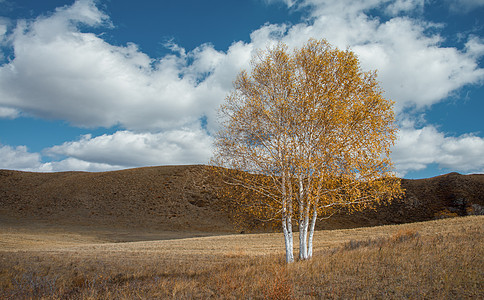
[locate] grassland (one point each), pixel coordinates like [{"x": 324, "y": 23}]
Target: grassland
[
  {"x": 441, "y": 259},
  {"x": 162, "y": 232}
]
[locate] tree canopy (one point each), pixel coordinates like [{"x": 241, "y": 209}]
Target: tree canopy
[{"x": 306, "y": 132}]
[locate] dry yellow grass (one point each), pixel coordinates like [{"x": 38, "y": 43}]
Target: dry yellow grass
[
  {"x": 439, "y": 259},
  {"x": 161, "y": 232}
]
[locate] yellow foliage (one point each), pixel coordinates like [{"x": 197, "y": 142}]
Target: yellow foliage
[{"x": 306, "y": 129}]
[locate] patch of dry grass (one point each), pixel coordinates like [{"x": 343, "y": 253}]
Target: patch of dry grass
[{"x": 440, "y": 259}]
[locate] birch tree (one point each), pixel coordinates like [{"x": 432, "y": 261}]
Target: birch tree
[{"x": 305, "y": 134}]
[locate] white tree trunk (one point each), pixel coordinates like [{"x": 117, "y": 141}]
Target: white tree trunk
[
  {"x": 311, "y": 233},
  {"x": 287, "y": 222},
  {"x": 303, "y": 238},
  {"x": 303, "y": 223},
  {"x": 303, "y": 249},
  {"x": 288, "y": 239}
]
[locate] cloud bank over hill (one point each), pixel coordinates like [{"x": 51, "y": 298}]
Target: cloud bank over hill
[{"x": 166, "y": 106}]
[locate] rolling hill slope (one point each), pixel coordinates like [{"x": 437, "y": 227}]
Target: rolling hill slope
[{"x": 183, "y": 198}]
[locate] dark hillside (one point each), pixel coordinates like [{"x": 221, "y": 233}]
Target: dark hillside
[
  {"x": 443, "y": 196},
  {"x": 181, "y": 198},
  {"x": 164, "y": 198}
]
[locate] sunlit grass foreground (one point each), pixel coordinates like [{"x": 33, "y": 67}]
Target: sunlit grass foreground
[{"x": 439, "y": 259}]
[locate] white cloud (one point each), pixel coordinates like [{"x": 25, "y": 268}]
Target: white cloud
[
  {"x": 123, "y": 149},
  {"x": 61, "y": 73},
  {"x": 73, "y": 164},
  {"x": 417, "y": 148},
  {"x": 475, "y": 47},
  {"x": 402, "y": 6},
  {"x": 463, "y": 153},
  {"x": 18, "y": 158},
  {"x": 8, "y": 113},
  {"x": 130, "y": 149},
  {"x": 413, "y": 67}
]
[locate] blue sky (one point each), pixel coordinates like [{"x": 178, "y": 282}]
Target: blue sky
[{"x": 105, "y": 85}]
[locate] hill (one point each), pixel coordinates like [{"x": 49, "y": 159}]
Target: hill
[{"x": 183, "y": 198}]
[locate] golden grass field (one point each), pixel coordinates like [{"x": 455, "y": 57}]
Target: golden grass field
[
  {"x": 164, "y": 233},
  {"x": 441, "y": 259}
]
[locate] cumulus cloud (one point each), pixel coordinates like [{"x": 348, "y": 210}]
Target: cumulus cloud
[
  {"x": 130, "y": 149},
  {"x": 19, "y": 158},
  {"x": 59, "y": 72},
  {"x": 417, "y": 148},
  {"x": 8, "y": 113},
  {"x": 413, "y": 67},
  {"x": 73, "y": 164},
  {"x": 123, "y": 149}
]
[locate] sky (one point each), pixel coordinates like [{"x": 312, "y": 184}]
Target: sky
[{"x": 92, "y": 85}]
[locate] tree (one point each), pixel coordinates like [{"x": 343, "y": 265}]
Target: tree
[{"x": 305, "y": 134}]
